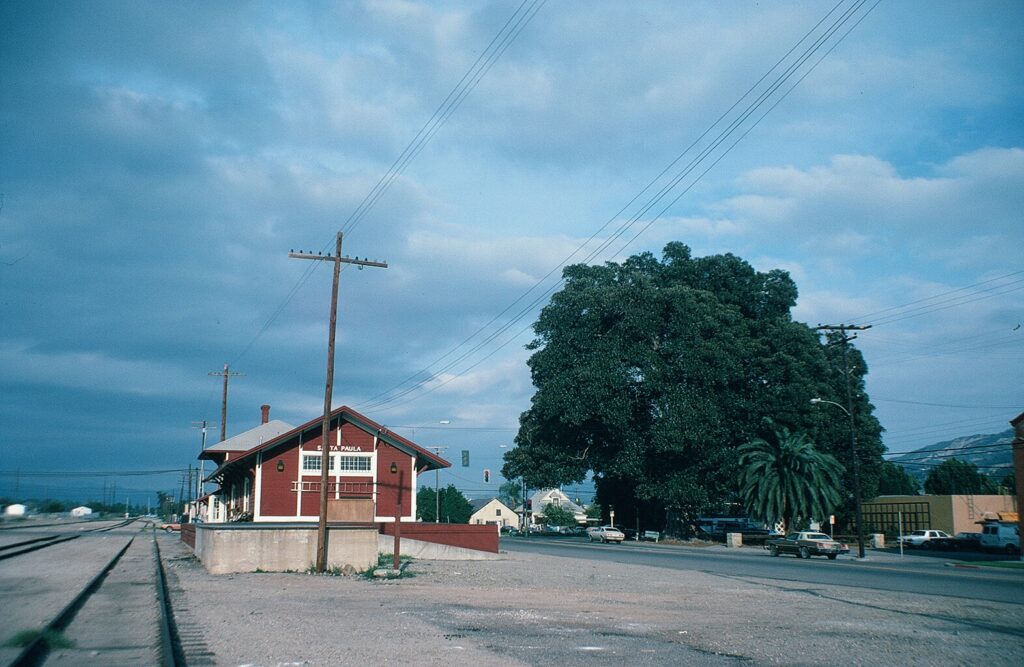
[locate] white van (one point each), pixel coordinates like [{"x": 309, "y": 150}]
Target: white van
[{"x": 1000, "y": 537}]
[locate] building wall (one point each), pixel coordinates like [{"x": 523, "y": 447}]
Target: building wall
[
  {"x": 495, "y": 513},
  {"x": 482, "y": 538},
  {"x": 395, "y": 489},
  {"x": 276, "y": 496},
  {"x": 282, "y": 496},
  {"x": 952, "y": 514}
]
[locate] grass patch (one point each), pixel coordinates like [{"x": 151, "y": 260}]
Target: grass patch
[
  {"x": 51, "y": 639},
  {"x": 388, "y": 561}
]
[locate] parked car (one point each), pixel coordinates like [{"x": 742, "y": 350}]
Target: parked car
[
  {"x": 806, "y": 544},
  {"x": 1000, "y": 537},
  {"x": 960, "y": 542},
  {"x": 509, "y": 530},
  {"x": 605, "y": 534},
  {"x": 919, "y": 537},
  {"x": 170, "y": 527}
]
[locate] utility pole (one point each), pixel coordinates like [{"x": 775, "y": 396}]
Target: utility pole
[
  {"x": 437, "y": 486},
  {"x": 224, "y": 401},
  {"x": 325, "y": 429},
  {"x": 845, "y": 340},
  {"x": 199, "y": 482}
]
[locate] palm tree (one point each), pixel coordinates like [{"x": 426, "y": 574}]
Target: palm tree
[{"x": 787, "y": 478}]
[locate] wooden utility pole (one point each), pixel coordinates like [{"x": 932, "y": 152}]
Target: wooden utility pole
[
  {"x": 224, "y": 401},
  {"x": 845, "y": 340},
  {"x": 199, "y": 483},
  {"x": 1018, "y": 473},
  {"x": 325, "y": 429}
]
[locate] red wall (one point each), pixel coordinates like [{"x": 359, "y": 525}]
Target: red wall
[
  {"x": 278, "y": 498},
  {"x": 481, "y": 538}
]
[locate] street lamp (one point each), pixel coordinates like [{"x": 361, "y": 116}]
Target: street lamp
[{"x": 856, "y": 471}]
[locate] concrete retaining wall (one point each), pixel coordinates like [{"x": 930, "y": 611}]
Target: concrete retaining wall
[{"x": 247, "y": 547}]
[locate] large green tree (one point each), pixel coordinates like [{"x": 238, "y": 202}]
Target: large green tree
[
  {"x": 454, "y": 506},
  {"x": 651, "y": 373},
  {"x": 893, "y": 480},
  {"x": 785, "y": 477},
  {"x": 956, "y": 477},
  {"x": 556, "y": 515}
]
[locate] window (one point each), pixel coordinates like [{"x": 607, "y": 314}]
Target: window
[
  {"x": 310, "y": 463},
  {"x": 497, "y": 512},
  {"x": 350, "y": 463}
]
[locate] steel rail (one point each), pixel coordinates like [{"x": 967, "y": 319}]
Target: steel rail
[
  {"x": 35, "y": 652},
  {"x": 44, "y": 542},
  {"x": 170, "y": 648}
]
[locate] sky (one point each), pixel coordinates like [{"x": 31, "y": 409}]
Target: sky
[{"x": 158, "y": 161}]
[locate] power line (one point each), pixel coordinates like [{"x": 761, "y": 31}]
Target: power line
[
  {"x": 947, "y": 405},
  {"x": 508, "y": 33},
  {"x": 416, "y": 380},
  {"x": 937, "y": 296}
]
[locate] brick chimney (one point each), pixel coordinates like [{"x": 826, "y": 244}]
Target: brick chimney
[{"x": 266, "y": 413}]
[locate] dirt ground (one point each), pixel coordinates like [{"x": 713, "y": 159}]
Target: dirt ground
[{"x": 529, "y": 609}]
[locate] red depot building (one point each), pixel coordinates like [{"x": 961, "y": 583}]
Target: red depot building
[
  {"x": 272, "y": 473},
  {"x": 265, "y": 511}
]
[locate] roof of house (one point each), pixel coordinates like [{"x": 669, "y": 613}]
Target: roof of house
[
  {"x": 428, "y": 459},
  {"x": 243, "y": 442},
  {"x": 481, "y": 503},
  {"x": 543, "y": 496}
]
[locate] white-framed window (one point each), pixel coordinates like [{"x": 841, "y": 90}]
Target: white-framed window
[
  {"x": 340, "y": 464},
  {"x": 497, "y": 512},
  {"x": 349, "y": 463},
  {"x": 310, "y": 463}
]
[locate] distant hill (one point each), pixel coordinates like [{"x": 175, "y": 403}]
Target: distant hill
[{"x": 981, "y": 450}]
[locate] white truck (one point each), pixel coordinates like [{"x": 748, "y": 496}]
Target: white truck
[{"x": 1000, "y": 536}]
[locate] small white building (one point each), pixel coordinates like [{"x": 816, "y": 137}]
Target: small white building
[
  {"x": 491, "y": 511},
  {"x": 14, "y": 510},
  {"x": 81, "y": 511}
]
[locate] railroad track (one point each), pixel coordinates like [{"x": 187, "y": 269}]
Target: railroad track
[
  {"x": 121, "y": 616},
  {"x": 37, "y": 543}
]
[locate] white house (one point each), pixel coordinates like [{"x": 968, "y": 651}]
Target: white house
[
  {"x": 540, "y": 500},
  {"x": 491, "y": 511}
]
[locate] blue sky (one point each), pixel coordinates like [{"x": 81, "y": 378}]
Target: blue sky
[{"x": 159, "y": 160}]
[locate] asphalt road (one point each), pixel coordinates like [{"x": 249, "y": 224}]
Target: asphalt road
[{"x": 884, "y": 570}]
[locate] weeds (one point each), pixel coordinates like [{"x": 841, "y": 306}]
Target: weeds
[{"x": 50, "y": 638}]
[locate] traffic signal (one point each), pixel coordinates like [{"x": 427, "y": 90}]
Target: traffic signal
[
  {"x": 487, "y": 475},
  {"x": 465, "y": 458}
]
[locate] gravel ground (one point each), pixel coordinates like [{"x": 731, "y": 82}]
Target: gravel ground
[{"x": 529, "y": 609}]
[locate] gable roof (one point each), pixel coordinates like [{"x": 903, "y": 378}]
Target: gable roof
[
  {"x": 252, "y": 438},
  {"x": 481, "y": 503},
  {"x": 544, "y": 496},
  {"x": 425, "y": 460}
]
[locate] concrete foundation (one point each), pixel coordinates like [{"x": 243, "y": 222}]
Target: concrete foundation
[{"x": 247, "y": 547}]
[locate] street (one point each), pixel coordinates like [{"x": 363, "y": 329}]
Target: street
[{"x": 883, "y": 570}]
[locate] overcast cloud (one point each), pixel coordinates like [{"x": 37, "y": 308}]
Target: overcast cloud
[{"x": 159, "y": 160}]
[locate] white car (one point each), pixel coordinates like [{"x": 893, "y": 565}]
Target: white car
[
  {"x": 605, "y": 534},
  {"x": 919, "y": 537}
]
